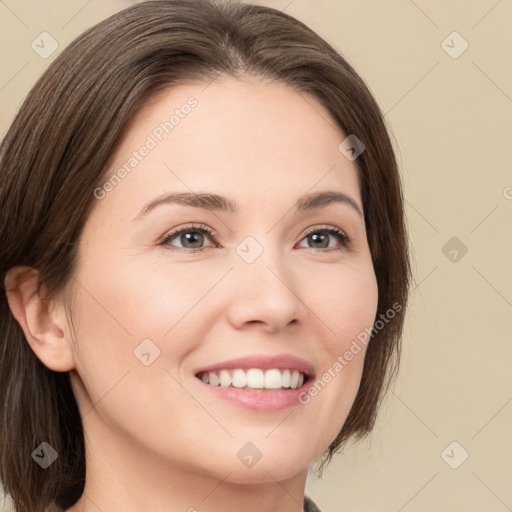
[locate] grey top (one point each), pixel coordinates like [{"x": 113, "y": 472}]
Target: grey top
[{"x": 310, "y": 505}]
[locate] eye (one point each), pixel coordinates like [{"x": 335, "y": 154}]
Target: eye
[
  {"x": 191, "y": 236},
  {"x": 320, "y": 237}
]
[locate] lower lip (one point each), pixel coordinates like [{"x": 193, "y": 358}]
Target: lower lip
[{"x": 260, "y": 399}]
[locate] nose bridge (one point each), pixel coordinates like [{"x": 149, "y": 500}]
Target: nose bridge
[
  {"x": 260, "y": 259},
  {"x": 265, "y": 286}
]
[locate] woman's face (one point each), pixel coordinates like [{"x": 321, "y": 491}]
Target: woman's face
[{"x": 152, "y": 309}]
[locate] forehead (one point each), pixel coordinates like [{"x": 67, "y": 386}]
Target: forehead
[{"x": 245, "y": 139}]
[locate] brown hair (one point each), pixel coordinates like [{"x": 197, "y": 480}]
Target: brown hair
[{"x": 57, "y": 152}]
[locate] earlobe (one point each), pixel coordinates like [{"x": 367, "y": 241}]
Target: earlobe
[{"x": 43, "y": 321}]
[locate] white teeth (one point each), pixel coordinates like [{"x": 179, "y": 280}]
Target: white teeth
[
  {"x": 286, "y": 379},
  {"x": 254, "y": 378},
  {"x": 239, "y": 379},
  {"x": 273, "y": 379},
  {"x": 213, "y": 379},
  {"x": 294, "y": 379},
  {"x": 225, "y": 379}
]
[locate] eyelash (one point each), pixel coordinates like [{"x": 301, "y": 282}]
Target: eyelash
[{"x": 201, "y": 228}]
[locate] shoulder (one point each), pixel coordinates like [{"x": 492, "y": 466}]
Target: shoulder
[{"x": 310, "y": 505}]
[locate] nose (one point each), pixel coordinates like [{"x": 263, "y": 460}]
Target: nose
[{"x": 264, "y": 293}]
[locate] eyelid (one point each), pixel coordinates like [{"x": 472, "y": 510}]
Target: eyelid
[
  {"x": 173, "y": 233},
  {"x": 346, "y": 240}
]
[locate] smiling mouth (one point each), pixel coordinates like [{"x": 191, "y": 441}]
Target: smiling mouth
[{"x": 255, "y": 379}]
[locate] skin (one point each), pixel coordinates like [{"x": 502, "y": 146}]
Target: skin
[{"x": 155, "y": 438}]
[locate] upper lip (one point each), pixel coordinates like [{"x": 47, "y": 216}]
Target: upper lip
[{"x": 279, "y": 361}]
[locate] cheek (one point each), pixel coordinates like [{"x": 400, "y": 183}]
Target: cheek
[
  {"x": 347, "y": 307},
  {"x": 346, "y": 303},
  {"x": 133, "y": 301},
  {"x": 128, "y": 314}
]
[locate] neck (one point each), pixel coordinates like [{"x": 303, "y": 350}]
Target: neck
[{"x": 122, "y": 476}]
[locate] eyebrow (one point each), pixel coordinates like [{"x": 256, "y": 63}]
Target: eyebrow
[{"x": 214, "y": 202}]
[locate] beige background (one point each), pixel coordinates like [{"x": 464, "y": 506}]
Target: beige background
[{"x": 452, "y": 120}]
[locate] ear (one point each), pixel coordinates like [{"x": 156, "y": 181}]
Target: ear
[{"x": 44, "y": 322}]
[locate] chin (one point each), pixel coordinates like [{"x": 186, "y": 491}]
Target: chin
[
  {"x": 264, "y": 474},
  {"x": 266, "y": 469}
]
